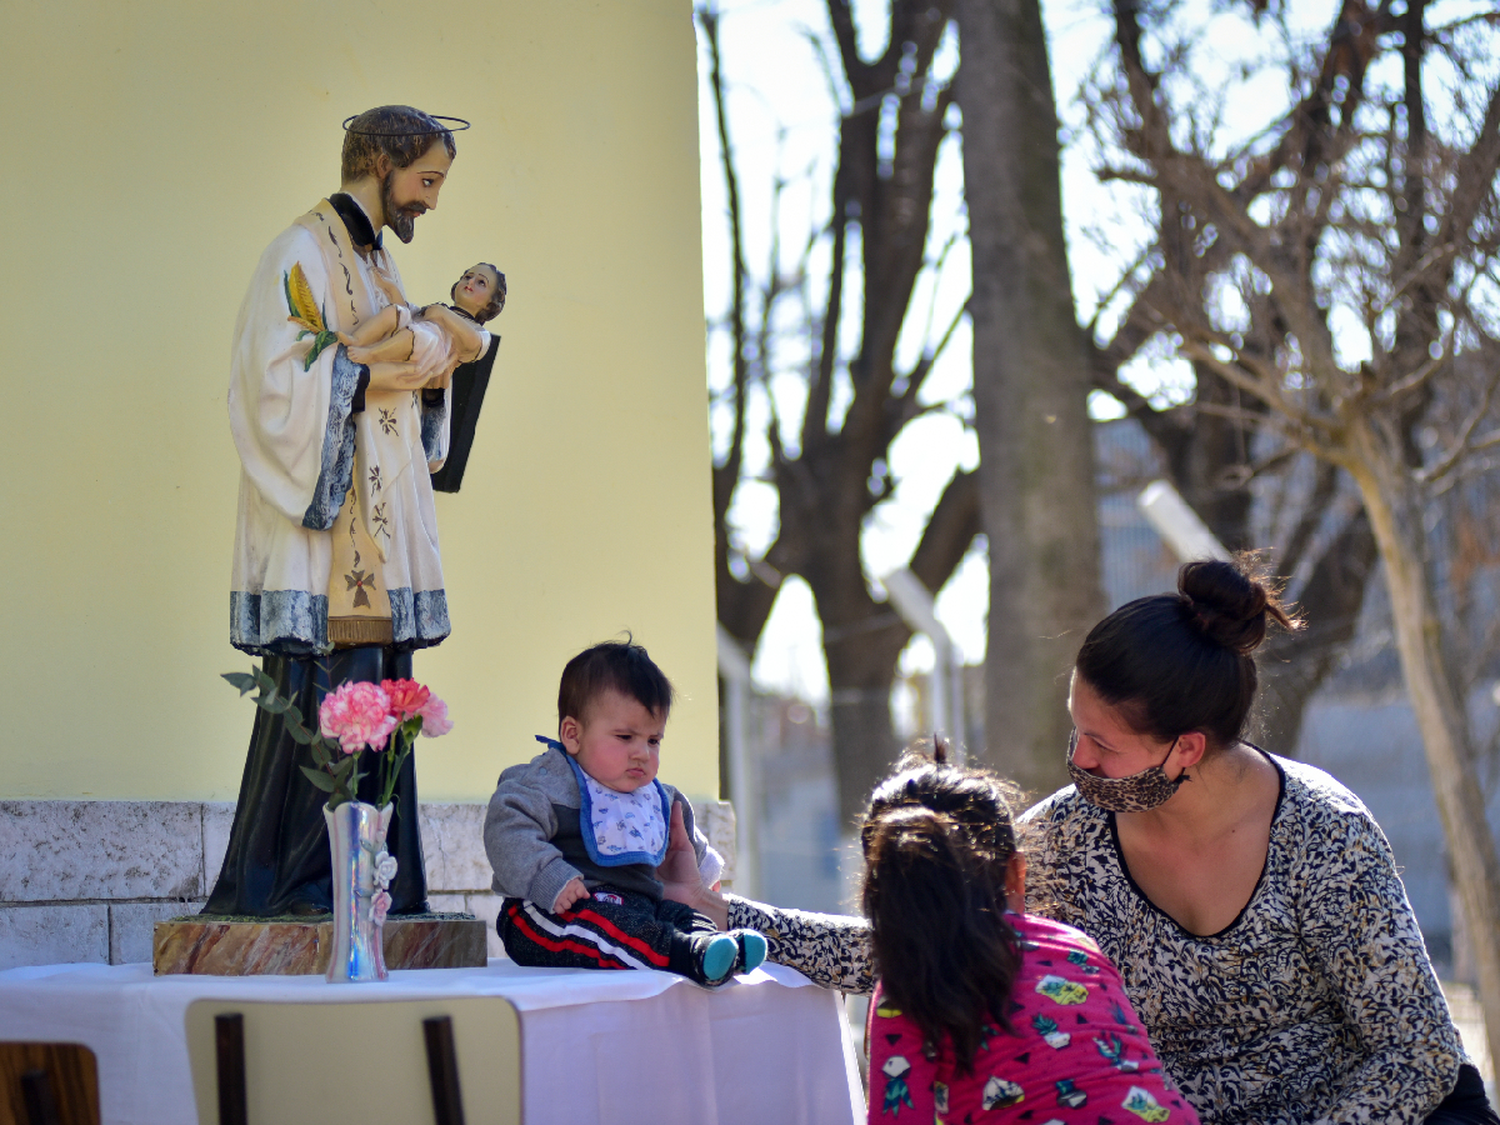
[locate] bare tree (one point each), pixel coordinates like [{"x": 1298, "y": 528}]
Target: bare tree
[
  {"x": 1348, "y": 301},
  {"x": 830, "y": 468},
  {"x": 1213, "y": 445},
  {"x": 1031, "y": 387},
  {"x": 1033, "y": 370}
]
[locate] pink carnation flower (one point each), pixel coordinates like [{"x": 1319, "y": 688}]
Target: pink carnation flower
[
  {"x": 407, "y": 697},
  {"x": 435, "y": 719},
  {"x": 358, "y": 714}
]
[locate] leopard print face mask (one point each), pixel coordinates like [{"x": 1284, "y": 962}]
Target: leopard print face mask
[{"x": 1137, "y": 793}]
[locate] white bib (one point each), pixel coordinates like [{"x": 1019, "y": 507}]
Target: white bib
[
  {"x": 621, "y": 828},
  {"x": 627, "y": 823}
]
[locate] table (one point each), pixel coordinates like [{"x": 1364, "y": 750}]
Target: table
[{"x": 608, "y": 1047}]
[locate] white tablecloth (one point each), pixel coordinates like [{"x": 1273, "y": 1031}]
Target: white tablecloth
[{"x": 595, "y": 1046}]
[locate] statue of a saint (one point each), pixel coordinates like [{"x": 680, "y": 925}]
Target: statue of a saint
[{"x": 336, "y": 570}]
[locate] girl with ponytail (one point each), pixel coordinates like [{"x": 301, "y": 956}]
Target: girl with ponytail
[{"x": 981, "y": 1008}]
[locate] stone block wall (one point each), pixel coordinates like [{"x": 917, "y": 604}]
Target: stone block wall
[{"x": 87, "y": 880}]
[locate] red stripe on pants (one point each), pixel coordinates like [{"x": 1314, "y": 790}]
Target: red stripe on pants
[
  {"x": 565, "y": 946},
  {"x": 635, "y": 943}
]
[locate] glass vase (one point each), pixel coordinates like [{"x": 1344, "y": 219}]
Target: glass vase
[{"x": 362, "y": 872}]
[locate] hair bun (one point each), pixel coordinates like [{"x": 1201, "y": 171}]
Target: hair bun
[{"x": 1230, "y": 603}]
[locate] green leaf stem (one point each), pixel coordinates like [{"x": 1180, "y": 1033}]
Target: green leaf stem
[
  {"x": 318, "y": 778},
  {"x": 242, "y": 680}
]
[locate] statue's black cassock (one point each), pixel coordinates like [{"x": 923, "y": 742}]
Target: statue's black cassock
[{"x": 278, "y": 860}]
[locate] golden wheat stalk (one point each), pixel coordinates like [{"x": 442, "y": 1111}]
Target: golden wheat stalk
[{"x": 299, "y": 298}]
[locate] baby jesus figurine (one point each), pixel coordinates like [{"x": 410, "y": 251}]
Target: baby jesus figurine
[{"x": 411, "y": 349}]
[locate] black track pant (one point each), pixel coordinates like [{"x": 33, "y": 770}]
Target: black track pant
[{"x": 634, "y": 933}]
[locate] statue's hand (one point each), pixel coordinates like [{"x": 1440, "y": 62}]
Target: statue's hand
[{"x": 444, "y": 378}]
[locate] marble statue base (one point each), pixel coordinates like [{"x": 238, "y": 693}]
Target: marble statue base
[{"x": 294, "y": 947}]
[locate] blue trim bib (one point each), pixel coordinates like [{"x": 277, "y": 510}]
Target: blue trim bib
[{"x": 619, "y": 829}]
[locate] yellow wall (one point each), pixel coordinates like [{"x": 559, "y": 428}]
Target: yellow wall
[{"x": 152, "y": 150}]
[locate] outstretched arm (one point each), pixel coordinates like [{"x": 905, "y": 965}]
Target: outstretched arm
[
  {"x": 387, "y": 285},
  {"x": 832, "y": 950},
  {"x": 828, "y": 949}
]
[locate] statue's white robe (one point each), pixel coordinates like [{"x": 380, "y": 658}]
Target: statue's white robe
[{"x": 336, "y": 515}]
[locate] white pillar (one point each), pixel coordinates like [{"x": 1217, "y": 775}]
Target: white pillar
[
  {"x": 914, "y": 602},
  {"x": 734, "y": 667},
  {"x": 1178, "y": 525}
]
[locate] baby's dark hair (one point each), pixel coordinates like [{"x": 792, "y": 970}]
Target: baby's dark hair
[
  {"x": 497, "y": 302},
  {"x": 937, "y": 841},
  {"x": 621, "y": 666}
]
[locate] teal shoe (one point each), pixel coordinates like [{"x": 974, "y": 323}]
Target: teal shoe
[
  {"x": 719, "y": 955},
  {"x": 753, "y": 949}
]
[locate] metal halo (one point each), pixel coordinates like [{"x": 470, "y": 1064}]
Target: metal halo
[{"x": 455, "y": 128}]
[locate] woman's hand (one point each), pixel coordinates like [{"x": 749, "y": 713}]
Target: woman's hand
[{"x": 679, "y": 874}]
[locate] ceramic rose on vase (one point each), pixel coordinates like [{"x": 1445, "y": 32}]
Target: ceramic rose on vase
[{"x": 356, "y": 719}]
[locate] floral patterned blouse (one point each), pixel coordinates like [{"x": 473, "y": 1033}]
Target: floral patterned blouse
[{"x": 1316, "y": 1004}]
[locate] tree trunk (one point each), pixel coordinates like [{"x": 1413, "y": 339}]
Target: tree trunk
[
  {"x": 862, "y": 638},
  {"x": 1031, "y": 385},
  {"x": 861, "y": 672},
  {"x": 1441, "y": 713}
]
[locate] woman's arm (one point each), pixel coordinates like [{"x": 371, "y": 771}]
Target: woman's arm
[
  {"x": 679, "y": 875},
  {"x": 832, "y": 950},
  {"x": 828, "y": 949},
  {"x": 1360, "y": 932}
]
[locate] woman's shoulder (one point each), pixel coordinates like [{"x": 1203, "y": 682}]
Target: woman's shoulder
[
  {"x": 1311, "y": 795},
  {"x": 1323, "y": 836},
  {"x": 1065, "y": 810},
  {"x": 1063, "y": 830}
]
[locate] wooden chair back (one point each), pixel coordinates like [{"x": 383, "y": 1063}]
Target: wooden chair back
[
  {"x": 48, "y": 1084},
  {"x": 439, "y": 1061}
]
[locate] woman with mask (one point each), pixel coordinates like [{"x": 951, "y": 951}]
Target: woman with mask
[{"x": 1251, "y": 902}]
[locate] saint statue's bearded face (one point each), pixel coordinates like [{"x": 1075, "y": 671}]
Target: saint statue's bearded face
[{"x": 408, "y": 192}]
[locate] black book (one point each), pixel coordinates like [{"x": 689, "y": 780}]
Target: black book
[{"x": 469, "y": 383}]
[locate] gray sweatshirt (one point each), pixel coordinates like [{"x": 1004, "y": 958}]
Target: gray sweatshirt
[{"x": 532, "y": 836}]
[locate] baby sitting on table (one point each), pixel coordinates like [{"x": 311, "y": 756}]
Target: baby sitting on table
[
  {"x": 430, "y": 342},
  {"x": 576, "y": 834}
]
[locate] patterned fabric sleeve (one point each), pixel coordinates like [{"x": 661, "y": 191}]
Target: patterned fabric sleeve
[
  {"x": 1360, "y": 930},
  {"x": 831, "y": 950},
  {"x": 1045, "y": 832}
]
